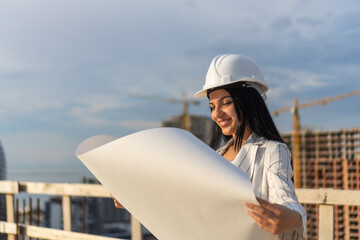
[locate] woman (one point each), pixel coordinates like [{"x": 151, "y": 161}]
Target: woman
[{"x": 236, "y": 91}]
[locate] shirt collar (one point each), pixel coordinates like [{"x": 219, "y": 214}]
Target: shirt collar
[{"x": 252, "y": 139}]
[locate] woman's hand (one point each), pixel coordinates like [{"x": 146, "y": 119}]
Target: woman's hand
[
  {"x": 117, "y": 204},
  {"x": 273, "y": 218}
]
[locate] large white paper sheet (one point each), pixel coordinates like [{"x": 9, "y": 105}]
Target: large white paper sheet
[{"x": 174, "y": 184}]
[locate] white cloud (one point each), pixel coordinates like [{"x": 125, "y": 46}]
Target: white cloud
[{"x": 284, "y": 80}]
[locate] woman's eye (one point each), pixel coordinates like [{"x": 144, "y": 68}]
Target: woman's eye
[{"x": 227, "y": 103}]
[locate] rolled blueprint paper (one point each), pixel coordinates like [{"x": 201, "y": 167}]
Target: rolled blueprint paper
[{"x": 174, "y": 184}]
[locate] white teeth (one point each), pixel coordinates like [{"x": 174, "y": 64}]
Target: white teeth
[{"x": 222, "y": 123}]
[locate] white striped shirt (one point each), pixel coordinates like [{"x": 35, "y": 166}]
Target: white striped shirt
[{"x": 267, "y": 163}]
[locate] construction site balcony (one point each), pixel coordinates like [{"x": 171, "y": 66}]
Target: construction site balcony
[{"x": 326, "y": 200}]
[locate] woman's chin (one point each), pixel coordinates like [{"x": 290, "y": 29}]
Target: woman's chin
[{"x": 226, "y": 133}]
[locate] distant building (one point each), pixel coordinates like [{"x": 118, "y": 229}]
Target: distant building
[
  {"x": 53, "y": 213},
  {"x": 2, "y": 163},
  {"x": 91, "y": 215},
  {"x": 200, "y": 126},
  {"x": 2, "y": 197}
]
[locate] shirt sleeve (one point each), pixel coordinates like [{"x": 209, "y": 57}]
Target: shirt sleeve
[{"x": 281, "y": 187}]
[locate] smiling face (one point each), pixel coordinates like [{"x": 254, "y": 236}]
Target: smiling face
[{"x": 223, "y": 112}]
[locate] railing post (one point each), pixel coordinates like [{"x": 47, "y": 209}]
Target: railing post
[
  {"x": 136, "y": 233},
  {"x": 66, "y": 206},
  {"x": 326, "y": 222},
  {"x": 10, "y": 212}
]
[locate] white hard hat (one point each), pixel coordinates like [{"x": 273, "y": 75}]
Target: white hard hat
[{"x": 229, "y": 69}]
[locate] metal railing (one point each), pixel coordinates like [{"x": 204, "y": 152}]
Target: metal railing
[
  {"x": 325, "y": 198},
  {"x": 66, "y": 191}
]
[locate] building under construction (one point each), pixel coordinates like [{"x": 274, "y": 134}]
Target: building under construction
[
  {"x": 331, "y": 159},
  {"x": 200, "y": 126}
]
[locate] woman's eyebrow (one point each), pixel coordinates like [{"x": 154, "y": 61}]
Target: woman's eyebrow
[
  {"x": 225, "y": 97},
  {"x": 221, "y": 99}
]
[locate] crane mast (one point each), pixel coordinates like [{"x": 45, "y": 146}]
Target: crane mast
[{"x": 296, "y": 126}]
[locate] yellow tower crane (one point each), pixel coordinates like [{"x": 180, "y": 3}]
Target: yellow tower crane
[
  {"x": 185, "y": 117},
  {"x": 296, "y": 125}
]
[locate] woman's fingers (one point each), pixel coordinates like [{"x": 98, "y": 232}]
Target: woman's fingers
[
  {"x": 116, "y": 203},
  {"x": 256, "y": 216},
  {"x": 262, "y": 221},
  {"x": 275, "y": 208},
  {"x": 260, "y": 210},
  {"x": 273, "y": 218}
]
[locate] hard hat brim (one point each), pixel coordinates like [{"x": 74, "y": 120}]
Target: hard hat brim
[{"x": 203, "y": 92}]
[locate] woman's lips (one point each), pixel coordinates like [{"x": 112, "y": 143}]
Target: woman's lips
[{"x": 224, "y": 123}]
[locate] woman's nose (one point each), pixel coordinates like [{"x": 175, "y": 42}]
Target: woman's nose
[{"x": 217, "y": 112}]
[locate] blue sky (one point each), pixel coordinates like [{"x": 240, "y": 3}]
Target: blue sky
[{"x": 68, "y": 69}]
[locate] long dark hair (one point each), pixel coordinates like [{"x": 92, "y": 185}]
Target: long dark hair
[{"x": 250, "y": 108}]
